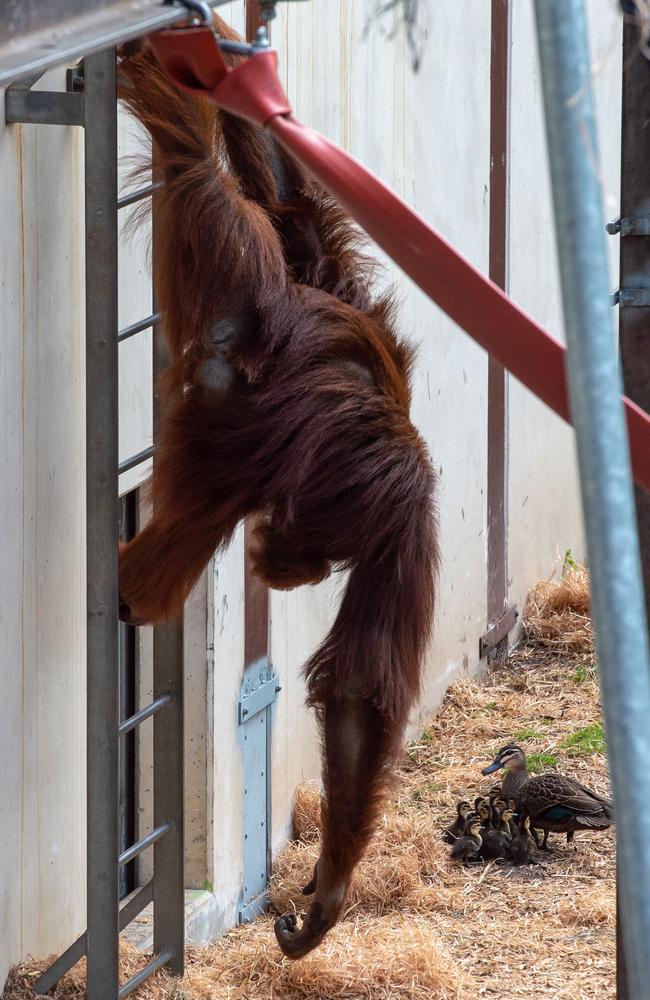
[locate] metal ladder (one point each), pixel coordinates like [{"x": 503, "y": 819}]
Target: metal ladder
[{"x": 91, "y": 102}]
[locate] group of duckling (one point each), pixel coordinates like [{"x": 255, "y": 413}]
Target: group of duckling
[
  {"x": 508, "y": 822},
  {"x": 491, "y": 829}
]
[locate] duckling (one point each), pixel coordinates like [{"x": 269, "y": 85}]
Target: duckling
[
  {"x": 498, "y": 837},
  {"x": 469, "y": 845},
  {"x": 522, "y": 844},
  {"x": 494, "y": 793},
  {"x": 554, "y": 802},
  {"x": 483, "y": 810},
  {"x": 457, "y": 828}
]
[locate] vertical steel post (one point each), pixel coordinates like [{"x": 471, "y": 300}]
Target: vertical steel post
[
  {"x": 634, "y": 320},
  {"x": 102, "y": 516},
  {"x": 497, "y": 415},
  {"x": 256, "y": 595},
  {"x": 168, "y": 730},
  {"x": 607, "y": 496}
]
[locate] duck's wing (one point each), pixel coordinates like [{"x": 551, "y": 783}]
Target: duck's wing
[{"x": 556, "y": 798}]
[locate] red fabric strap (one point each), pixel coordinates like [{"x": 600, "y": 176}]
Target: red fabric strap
[
  {"x": 253, "y": 91},
  {"x": 193, "y": 60}
]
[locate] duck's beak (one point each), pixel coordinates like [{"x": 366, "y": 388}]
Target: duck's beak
[{"x": 491, "y": 768}]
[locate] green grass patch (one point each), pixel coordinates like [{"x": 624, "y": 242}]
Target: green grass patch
[
  {"x": 527, "y": 733},
  {"x": 569, "y": 562},
  {"x": 585, "y": 671},
  {"x": 585, "y": 741},
  {"x": 538, "y": 762}
]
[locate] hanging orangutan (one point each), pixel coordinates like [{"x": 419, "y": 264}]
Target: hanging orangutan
[{"x": 287, "y": 398}]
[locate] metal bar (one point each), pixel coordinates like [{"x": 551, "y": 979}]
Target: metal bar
[
  {"x": 143, "y": 324},
  {"x": 149, "y": 969},
  {"x": 633, "y": 324},
  {"x": 48, "y": 979},
  {"x": 139, "y": 195},
  {"x": 144, "y": 714},
  {"x": 102, "y": 524},
  {"x": 169, "y": 887},
  {"x": 253, "y": 19},
  {"x": 142, "y": 456},
  {"x": 127, "y": 707},
  {"x": 35, "y": 36},
  {"x": 38, "y": 107},
  {"x": 497, "y": 413},
  {"x": 136, "y": 904},
  {"x": 128, "y": 912},
  {"x": 608, "y": 502},
  {"x": 497, "y": 632},
  {"x": 141, "y": 845},
  {"x": 168, "y": 734}
]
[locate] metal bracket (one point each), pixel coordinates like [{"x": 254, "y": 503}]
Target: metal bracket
[
  {"x": 259, "y": 690},
  {"x": 497, "y": 630},
  {"x": 638, "y": 298},
  {"x": 39, "y": 107},
  {"x": 631, "y": 225},
  {"x": 257, "y": 696}
]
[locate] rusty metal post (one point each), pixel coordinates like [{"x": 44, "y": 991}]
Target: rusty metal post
[
  {"x": 497, "y": 414},
  {"x": 634, "y": 319}
]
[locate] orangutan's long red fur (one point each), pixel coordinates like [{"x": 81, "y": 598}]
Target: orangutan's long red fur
[{"x": 310, "y": 431}]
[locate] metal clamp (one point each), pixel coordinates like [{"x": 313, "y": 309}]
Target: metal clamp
[
  {"x": 200, "y": 9},
  {"x": 639, "y": 298},
  {"x": 629, "y": 225}
]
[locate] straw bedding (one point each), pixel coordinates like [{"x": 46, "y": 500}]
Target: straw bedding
[{"x": 418, "y": 925}]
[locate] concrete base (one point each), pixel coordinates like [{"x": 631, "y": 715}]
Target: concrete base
[{"x": 204, "y": 922}]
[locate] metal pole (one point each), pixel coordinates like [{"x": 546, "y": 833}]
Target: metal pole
[
  {"x": 168, "y": 730},
  {"x": 102, "y": 513},
  {"x": 634, "y": 319},
  {"x": 607, "y": 496},
  {"x": 497, "y": 414}
]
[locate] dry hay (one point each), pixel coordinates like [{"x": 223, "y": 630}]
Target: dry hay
[
  {"x": 418, "y": 925},
  {"x": 557, "y": 615},
  {"x": 393, "y": 958}
]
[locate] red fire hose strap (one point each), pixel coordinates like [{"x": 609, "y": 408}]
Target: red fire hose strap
[{"x": 252, "y": 90}]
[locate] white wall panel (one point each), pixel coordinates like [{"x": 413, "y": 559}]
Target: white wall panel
[
  {"x": 42, "y": 824},
  {"x": 545, "y": 518}
]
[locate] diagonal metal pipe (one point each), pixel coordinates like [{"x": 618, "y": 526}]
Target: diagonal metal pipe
[{"x": 607, "y": 497}]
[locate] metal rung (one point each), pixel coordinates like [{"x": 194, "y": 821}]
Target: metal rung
[
  {"x": 149, "y": 969},
  {"x": 128, "y": 912},
  {"x": 139, "y": 195},
  {"x": 143, "y": 324},
  {"x": 144, "y": 713},
  {"x": 142, "y": 845},
  {"x": 130, "y": 463},
  {"x": 63, "y": 964}
]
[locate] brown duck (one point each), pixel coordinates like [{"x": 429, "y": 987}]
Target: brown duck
[{"x": 554, "y": 802}]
